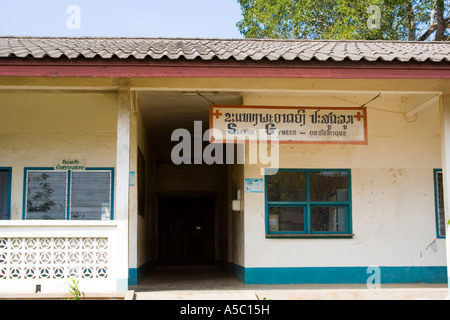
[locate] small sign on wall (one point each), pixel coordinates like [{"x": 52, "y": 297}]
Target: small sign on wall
[
  {"x": 70, "y": 164},
  {"x": 254, "y": 185}
]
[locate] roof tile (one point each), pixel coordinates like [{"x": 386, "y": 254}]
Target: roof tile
[{"x": 223, "y": 49}]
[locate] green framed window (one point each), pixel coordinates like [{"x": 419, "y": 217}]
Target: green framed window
[
  {"x": 439, "y": 203},
  {"x": 68, "y": 195},
  {"x": 308, "y": 203}
]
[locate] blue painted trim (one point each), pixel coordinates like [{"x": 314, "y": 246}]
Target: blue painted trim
[
  {"x": 237, "y": 271},
  {"x": 308, "y": 205},
  {"x": 436, "y": 203},
  {"x": 68, "y": 194},
  {"x": 8, "y": 209},
  {"x": 112, "y": 192},
  {"x": 307, "y": 212},
  {"x": 135, "y": 275},
  {"x": 340, "y": 275}
]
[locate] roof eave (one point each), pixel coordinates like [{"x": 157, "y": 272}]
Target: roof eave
[{"x": 216, "y": 68}]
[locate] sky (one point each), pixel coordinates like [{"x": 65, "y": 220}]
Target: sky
[{"x": 125, "y": 18}]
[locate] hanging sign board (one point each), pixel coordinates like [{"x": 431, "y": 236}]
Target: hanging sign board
[{"x": 238, "y": 124}]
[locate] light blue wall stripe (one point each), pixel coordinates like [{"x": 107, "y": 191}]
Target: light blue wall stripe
[
  {"x": 122, "y": 284},
  {"x": 339, "y": 275},
  {"x": 319, "y": 275}
]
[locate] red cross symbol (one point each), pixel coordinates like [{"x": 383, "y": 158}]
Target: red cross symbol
[
  {"x": 217, "y": 114},
  {"x": 359, "y": 116}
]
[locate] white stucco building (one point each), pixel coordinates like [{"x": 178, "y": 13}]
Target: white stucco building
[{"x": 89, "y": 187}]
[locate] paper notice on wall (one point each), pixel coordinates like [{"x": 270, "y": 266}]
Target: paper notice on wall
[{"x": 254, "y": 185}]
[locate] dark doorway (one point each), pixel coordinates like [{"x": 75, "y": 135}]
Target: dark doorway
[
  {"x": 186, "y": 230},
  {"x": 4, "y": 194}
]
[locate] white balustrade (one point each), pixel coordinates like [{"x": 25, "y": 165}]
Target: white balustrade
[{"x": 46, "y": 255}]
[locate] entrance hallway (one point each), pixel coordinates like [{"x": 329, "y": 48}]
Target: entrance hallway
[
  {"x": 198, "y": 282},
  {"x": 208, "y": 282}
]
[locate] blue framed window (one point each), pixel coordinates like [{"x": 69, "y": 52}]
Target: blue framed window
[
  {"x": 68, "y": 195},
  {"x": 439, "y": 203},
  {"x": 5, "y": 192},
  {"x": 308, "y": 203}
]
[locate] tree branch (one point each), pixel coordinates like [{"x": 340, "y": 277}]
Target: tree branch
[{"x": 433, "y": 27}]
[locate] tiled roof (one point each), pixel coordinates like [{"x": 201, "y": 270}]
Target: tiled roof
[{"x": 223, "y": 49}]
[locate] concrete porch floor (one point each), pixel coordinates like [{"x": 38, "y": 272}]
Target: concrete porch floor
[{"x": 210, "y": 283}]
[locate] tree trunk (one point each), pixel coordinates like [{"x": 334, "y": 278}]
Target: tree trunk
[
  {"x": 411, "y": 22},
  {"x": 440, "y": 28}
]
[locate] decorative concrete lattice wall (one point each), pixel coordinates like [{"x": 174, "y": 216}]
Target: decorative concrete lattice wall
[{"x": 53, "y": 258}]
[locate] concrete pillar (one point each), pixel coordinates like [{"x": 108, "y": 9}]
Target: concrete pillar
[
  {"x": 444, "y": 104},
  {"x": 122, "y": 185},
  {"x": 133, "y": 198}
]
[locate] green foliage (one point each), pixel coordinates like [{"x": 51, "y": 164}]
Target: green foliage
[
  {"x": 336, "y": 19},
  {"x": 74, "y": 290}
]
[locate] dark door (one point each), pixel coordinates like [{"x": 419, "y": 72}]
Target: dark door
[
  {"x": 186, "y": 230},
  {"x": 4, "y": 194}
]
